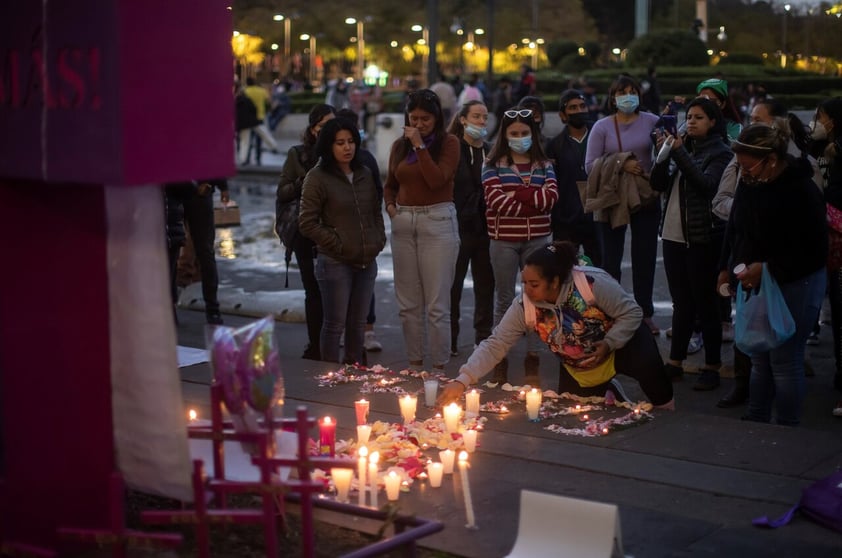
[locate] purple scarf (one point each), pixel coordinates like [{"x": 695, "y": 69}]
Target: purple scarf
[{"x": 412, "y": 156}]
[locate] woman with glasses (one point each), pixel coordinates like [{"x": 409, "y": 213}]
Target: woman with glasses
[
  {"x": 520, "y": 191},
  {"x": 628, "y": 131},
  {"x": 778, "y": 220},
  {"x": 692, "y": 235},
  {"x": 425, "y": 234}
]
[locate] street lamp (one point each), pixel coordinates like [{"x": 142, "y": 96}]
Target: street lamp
[
  {"x": 360, "y": 45},
  {"x": 534, "y": 46},
  {"x": 787, "y": 7},
  {"x": 312, "y": 57},
  {"x": 287, "y": 30},
  {"x": 425, "y": 41}
]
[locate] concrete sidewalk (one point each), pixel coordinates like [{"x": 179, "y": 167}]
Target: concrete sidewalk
[{"x": 687, "y": 483}]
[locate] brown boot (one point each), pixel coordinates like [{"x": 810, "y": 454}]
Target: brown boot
[
  {"x": 532, "y": 370},
  {"x": 501, "y": 372}
]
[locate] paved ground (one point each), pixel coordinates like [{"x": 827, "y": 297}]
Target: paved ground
[{"x": 687, "y": 483}]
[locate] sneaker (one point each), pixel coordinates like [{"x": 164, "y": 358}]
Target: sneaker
[
  {"x": 616, "y": 387},
  {"x": 707, "y": 380},
  {"x": 727, "y": 332},
  {"x": 371, "y": 343},
  {"x": 813, "y": 338},
  {"x": 312, "y": 353},
  {"x": 837, "y": 410},
  {"x": 696, "y": 343},
  {"x": 214, "y": 317}
]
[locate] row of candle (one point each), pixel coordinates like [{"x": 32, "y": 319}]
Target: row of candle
[{"x": 436, "y": 470}]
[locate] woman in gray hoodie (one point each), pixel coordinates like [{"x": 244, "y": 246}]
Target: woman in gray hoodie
[{"x": 584, "y": 316}]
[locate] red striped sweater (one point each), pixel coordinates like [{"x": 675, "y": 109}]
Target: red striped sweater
[{"x": 517, "y": 209}]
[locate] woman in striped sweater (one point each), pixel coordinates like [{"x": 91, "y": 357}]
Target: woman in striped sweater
[{"x": 520, "y": 191}]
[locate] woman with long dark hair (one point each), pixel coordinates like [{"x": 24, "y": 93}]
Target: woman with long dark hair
[{"x": 425, "y": 235}]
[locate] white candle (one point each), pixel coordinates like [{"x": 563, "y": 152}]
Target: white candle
[
  {"x": 362, "y": 464},
  {"x": 342, "y": 481},
  {"x": 435, "y": 472},
  {"x": 363, "y": 434},
  {"x": 469, "y": 437},
  {"x": 408, "y": 405},
  {"x": 466, "y": 488},
  {"x": 533, "y": 403},
  {"x": 393, "y": 486},
  {"x": 451, "y": 417},
  {"x": 431, "y": 388},
  {"x": 447, "y": 456},
  {"x": 472, "y": 403},
  {"x": 372, "y": 476}
]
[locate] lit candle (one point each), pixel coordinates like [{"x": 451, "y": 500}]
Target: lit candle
[
  {"x": 472, "y": 403},
  {"x": 466, "y": 488},
  {"x": 408, "y": 405},
  {"x": 361, "y": 467},
  {"x": 431, "y": 388},
  {"x": 327, "y": 437},
  {"x": 447, "y": 456},
  {"x": 533, "y": 403},
  {"x": 469, "y": 437},
  {"x": 361, "y": 407},
  {"x": 435, "y": 471},
  {"x": 372, "y": 476},
  {"x": 192, "y": 415},
  {"x": 451, "y": 417},
  {"x": 393, "y": 486},
  {"x": 342, "y": 481},
  {"x": 605, "y": 430},
  {"x": 363, "y": 434}
]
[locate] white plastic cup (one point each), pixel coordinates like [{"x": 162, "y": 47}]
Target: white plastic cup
[
  {"x": 725, "y": 290},
  {"x": 739, "y": 268}
]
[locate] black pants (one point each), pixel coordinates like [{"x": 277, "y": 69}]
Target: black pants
[
  {"x": 834, "y": 290},
  {"x": 639, "y": 359},
  {"x": 474, "y": 250},
  {"x": 198, "y": 215},
  {"x": 644, "y": 247},
  {"x": 304, "y": 251},
  {"x": 585, "y": 233},
  {"x": 691, "y": 274}
]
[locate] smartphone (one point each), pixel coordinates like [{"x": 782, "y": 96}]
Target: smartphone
[
  {"x": 674, "y": 107},
  {"x": 670, "y": 124}
]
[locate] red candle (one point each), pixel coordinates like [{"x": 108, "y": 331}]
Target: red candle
[
  {"x": 327, "y": 437},
  {"x": 361, "y": 408}
]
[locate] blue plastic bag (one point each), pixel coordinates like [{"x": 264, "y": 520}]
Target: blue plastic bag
[{"x": 763, "y": 320}]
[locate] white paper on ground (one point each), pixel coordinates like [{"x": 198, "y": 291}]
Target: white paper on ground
[
  {"x": 188, "y": 356},
  {"x": 150, "y": 431},
  {"x": 551, "y": 525},
  {"x": 238, "y": 465}
]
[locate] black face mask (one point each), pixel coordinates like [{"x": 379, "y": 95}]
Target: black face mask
[{"x": 578, "y": 119}]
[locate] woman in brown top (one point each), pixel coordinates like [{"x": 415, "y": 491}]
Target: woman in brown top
[{"x": 425, "y": 234}]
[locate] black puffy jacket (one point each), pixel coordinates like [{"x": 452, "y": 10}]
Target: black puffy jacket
[{"x": 700, "y": 171}]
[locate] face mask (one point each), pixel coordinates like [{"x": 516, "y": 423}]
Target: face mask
[
  {"x": 817, "y": 130},
  {"x": 475, "y": 131},
  {"x": 627, "y": 104},
  {"x": 577, "y": 120},
  {"x": 520, "y": 145}
]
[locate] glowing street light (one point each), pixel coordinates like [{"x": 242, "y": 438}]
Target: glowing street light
[
  {"x": 360, "y": 46},
  {"x": 312, "y": 57},
  {"x": 425, "y": 41},
  {"x": 287, "y": 34}
]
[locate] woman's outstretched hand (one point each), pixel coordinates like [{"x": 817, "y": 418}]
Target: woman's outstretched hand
[{"x": 452, "y": 391}]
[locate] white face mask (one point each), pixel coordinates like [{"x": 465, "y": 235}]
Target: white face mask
[
  {"x": 817, "y": 130},
  {"x": 475, "y": 131}
]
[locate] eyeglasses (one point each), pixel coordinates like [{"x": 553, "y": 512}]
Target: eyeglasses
[{"x": 523, "y": 113}]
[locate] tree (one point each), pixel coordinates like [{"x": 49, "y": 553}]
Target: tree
[{"x": 668, "y": 48}]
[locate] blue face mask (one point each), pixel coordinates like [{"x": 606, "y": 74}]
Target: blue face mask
[
  {"x": 627, "y": 104},
  {"x": 520, "y": 145},
  {"x": 475, "y": 131}
]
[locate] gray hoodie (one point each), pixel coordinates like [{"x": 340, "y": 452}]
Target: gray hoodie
[{"x": 608, "y": 295}]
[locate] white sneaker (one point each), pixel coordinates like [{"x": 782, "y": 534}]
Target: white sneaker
[{"x": 371, "y": 343}]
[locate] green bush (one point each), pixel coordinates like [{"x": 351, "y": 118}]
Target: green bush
[
  {"x": 575, "y": 64},
  {"x": 559, "y": 50},
  {"x": 741, "y": 58},
  {"x": 668, "y": 48}
]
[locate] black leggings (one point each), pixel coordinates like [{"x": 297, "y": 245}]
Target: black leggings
[{"x": 639, "y": 359}]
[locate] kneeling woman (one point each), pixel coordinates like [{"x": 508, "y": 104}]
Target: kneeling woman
[{"x": 586, "y": 318}]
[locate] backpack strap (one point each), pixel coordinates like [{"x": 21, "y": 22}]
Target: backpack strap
[{"x": 583, "y": 286}]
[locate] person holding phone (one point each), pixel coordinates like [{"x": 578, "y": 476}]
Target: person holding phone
[{"x": 692, "y": 235}]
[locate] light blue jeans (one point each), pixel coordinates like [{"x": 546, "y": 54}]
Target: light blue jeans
[
  {"x": 778, "y": 375},
  {"x": 507, "y": 260},
  {"x": 425, "y": 246},
  {"x": 346, "y": 295}
]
